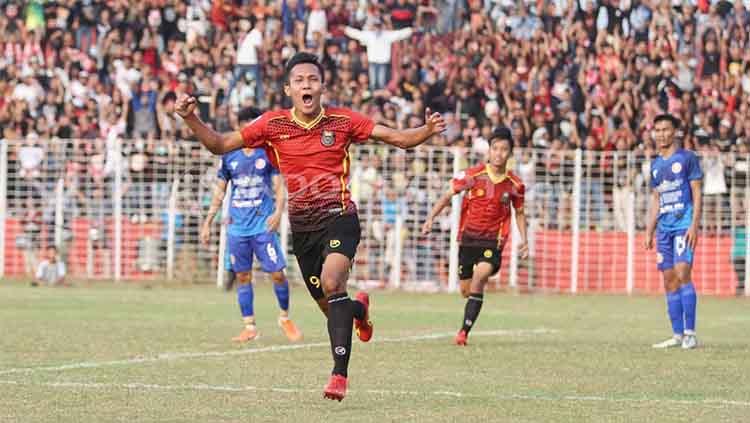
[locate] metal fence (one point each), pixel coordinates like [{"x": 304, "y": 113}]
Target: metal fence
[{"x": 132, "y": 209}]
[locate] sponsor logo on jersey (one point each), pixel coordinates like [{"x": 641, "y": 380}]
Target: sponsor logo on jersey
[
  {"x": 666, "y": 185},
  {"x": 327, "y": 139},
  {"x": 248, "y": 181}
]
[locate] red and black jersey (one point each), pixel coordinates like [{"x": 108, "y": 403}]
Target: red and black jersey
[
  {"x": 314, "y": 159},
  {"x": 485, "y": 211}
]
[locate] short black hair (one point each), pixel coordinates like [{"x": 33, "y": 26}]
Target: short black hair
[
  {"x": 300, "y": 58},
  {"x": 502, "y": 134},
  {"x": 669, "y": 118},
  {"x": 248, "y": 113}
]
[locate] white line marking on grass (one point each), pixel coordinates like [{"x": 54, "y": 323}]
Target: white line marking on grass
[
  {"x": 384, "y": 392},
  {"x": 272, "y": 348}
]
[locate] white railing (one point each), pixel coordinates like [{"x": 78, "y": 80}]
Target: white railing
[{"x": 135, "y": 212}]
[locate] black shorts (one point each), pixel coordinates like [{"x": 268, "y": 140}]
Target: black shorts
[
  {"x": 311, "y": 248},
  {"x": 468, "y": 257}
]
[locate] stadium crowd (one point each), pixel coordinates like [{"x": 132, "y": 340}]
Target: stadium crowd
[{"x": 562, "y": 74}]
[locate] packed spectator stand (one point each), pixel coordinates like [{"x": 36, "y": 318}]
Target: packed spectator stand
[{"x": 78, "y": 77}]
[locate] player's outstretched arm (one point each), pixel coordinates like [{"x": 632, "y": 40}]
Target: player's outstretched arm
[
  {"x": 216, "y": 199},
  {"x": 523, "y": 248},
  {"x": 279, "y": 196},
  {"x": 412, "y": 137},
  {"x": 215, "y": 142},
  {"x": 691, "y": 237},
  {"x": 442, "y": 202},
  {"x": 653, "y": 216}
]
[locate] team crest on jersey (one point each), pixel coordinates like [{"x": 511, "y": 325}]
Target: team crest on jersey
[
  {"x": 327, "y": 139},
  {"x": 676, "y": 168},
  {"x": 260, "y": 164},
  {"x": 335, "y": 243},
  {"x": 488, "y": 253},
  {"x": 234, "y": 164}
]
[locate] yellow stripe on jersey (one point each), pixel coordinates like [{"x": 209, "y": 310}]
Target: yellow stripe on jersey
[
  {"x": 494, "y": 178},
  {"x": 345, "y": 165},
  {"x": 312, "y": 123},
  {"x": 276, "y": 152}
]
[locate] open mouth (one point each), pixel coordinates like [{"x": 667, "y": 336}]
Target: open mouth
[{"x": 307, "y": 99}]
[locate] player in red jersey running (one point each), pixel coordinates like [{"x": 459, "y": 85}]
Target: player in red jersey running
[
  {"x": 310, "y": 144},
  {"x": 490, "y": 191}
]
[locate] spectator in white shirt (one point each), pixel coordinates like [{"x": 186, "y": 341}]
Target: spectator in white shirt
[
  {"x": 51, "y": 271},
  {"x": 378, "y": 43},
  {"x": 316, "y": 22},
  {"x": 247, "y": 59},
  {"x": 29, "y": 90}
]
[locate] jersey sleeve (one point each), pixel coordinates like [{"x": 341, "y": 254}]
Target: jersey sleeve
[
  {"x": 462, "y": 182},
  {"x": 254, "y": 133},
  {"x": 361, "y": 127},
  {"x": 223, "y": 172},
  {"x": 519, "y": 198},
  {"x": 694, "y": 171}
]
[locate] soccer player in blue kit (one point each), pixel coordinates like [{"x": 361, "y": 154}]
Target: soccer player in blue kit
[
  {"x": 674, "y": 214},
  {"x": 255, "y": 209}
]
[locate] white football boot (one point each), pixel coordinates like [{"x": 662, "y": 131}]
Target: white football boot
[{"x": 673, "y": 342}]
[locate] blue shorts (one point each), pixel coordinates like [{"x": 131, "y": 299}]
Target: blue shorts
[
  {"x": 265, "y": 246},
  {"x": 671, "y": 249}
]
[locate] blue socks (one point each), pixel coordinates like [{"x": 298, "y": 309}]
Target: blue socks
[
  {"x": 689, "y": 301},
  {"x": 245, "y": 297},
  {"x": 282, "y": 294},
  {"x": 681, "y": 305},
  {"x": 674, "y": 309}
]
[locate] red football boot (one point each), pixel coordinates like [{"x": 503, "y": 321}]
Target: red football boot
[
  {"x": 364, "y": 327},
  {"x": 336, "y": 388},
  {"x": 461, "y": 337}
]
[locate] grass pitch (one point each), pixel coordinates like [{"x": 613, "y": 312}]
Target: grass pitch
[{"x": 121, "y": 353}]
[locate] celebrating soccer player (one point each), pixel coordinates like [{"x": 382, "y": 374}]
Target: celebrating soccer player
[
  {"x": 490, "y": 191},
  {"x": 675, "y": 212},
  {"x": 310, "y": 144},
  {"x": 255, "y": 216}
]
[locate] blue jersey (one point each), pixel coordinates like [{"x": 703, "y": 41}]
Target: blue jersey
[
  {"x": 252, "y": 196},
  {"x": 671, "y": 178}
]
